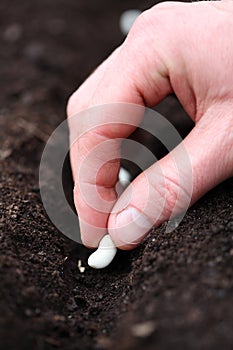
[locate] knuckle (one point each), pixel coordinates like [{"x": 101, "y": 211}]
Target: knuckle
[
  {"x": 148, "y": 27},
  {"x": 166, "y": 5},
  {"x": 141, "y": 19},
  {"x": 172, "y": 191},
  {"x": 140, "y": 24},
  {"x": 154, "y": 15},
  {"x": 155, "y": 19},
  {"x": 177, "y": 198}
]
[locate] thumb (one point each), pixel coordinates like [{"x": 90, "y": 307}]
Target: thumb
[{"x": 171, "y": 185}]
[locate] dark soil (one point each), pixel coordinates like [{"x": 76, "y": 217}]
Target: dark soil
[{"x": 174, "y": 292}]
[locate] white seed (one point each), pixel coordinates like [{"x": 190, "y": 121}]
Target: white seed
[
  {"x": 106, "y": 251},
  {"x": 124, "y": 181},
  {"x": 124, "y": 177},
  {"x": 104, "y": 255},
  {"x": 143, "y": 330},
  {"x": 127, "y": 19},
  {"x": 80, "y": 267}
]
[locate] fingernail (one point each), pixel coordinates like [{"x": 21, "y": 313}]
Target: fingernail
[{"x": 131, "y": 226}]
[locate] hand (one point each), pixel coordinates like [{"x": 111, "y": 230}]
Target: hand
[{"x": 173, "y": 47}]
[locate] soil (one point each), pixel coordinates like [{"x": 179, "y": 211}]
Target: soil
[{"x": 174, "y": 291}]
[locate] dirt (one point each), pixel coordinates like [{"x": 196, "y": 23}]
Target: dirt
[{"x": 173, "y": 292}]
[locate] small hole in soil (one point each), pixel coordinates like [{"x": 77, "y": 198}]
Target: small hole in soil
[{"x": 81, "y": 303}]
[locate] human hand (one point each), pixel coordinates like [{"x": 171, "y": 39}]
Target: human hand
[{"x": 173, "y": 47}]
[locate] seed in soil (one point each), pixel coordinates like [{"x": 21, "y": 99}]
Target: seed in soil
[{"x": 104, "y": 255}]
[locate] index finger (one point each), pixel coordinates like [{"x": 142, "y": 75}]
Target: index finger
[{"x": 96, "y": 133}]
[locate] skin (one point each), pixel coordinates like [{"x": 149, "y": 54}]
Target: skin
[{"x": 172, "y": 47}]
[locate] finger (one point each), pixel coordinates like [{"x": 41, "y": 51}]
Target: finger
[
  {"x": 95, "y": 152},
  {"x": 171, "y": 185}
]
